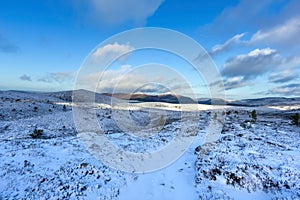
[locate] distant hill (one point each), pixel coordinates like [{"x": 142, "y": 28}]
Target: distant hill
[
  {"x": 84, "y": 95},
  {"x": 208, "y": 101},
  {"x": 268, "y": 101},
  {"x": 167, "y": 98},
  {"x": 108, "y": 98}
]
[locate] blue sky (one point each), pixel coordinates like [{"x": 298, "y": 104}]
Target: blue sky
[{"x": 255, "y": 44}]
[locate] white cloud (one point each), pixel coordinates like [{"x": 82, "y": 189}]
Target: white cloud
[
  {"x": 111, "y": 51},
  {"x": 284, "y": 76},
  {"x": 282, "y": 36},
  {"x": 253, "y": 64},
  {"x": 126, "y": 79},
  {"x": 246, "y": 67},
  {"x": 227, "y": 45},
  {"x": 286, "y": 33},
  {"x": 263, "y": 52},
  {"x": 286, "y": 90},
  {"x": 244, "y": 16},
  {"x": 232, "y": 82},
  {"x": 271, "y": 23},
  {"x": 96, "y": 66},
  {"x": 122, "y": 79},
  {"x": 116, "y": 12}
]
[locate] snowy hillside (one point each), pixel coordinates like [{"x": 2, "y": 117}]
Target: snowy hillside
[{"x": 41, "y": 156}]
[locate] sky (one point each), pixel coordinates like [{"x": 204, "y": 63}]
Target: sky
[{"x": 253, "y": 44}]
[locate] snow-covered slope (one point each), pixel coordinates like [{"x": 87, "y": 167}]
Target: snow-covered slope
[
  {"x": 251, "y": 160},
  {"x": 41, "y": 156}
]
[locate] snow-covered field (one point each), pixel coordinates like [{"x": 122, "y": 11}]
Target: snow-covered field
[{"x": 41, "y": 156}]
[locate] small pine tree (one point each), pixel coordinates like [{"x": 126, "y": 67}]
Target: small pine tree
[
  {"x": 254, "y": 115},
  {"x": 295, "y": 119},
  {"x": 64, "y": 108},
  {"x": 215, "y": 116}
]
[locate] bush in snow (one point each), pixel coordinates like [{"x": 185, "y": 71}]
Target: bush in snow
[
  {"x": 295, "y": 119},
  {"x": 162, "y": 121},
  {"x": 254, "y": 116},
  {"x": 37, "y": 133},
  {"x": 246, "y": 124},
  {"x": 215, "y": 116}
]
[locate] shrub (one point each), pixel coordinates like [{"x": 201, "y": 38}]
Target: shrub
[
  {"x": 64, "y": 108},
  {"x": 295, "y": 119},
  {"x": 37, "y": 133},
  {"x": 215, "y": 116},
  {"x": 246, "y": 124},
  {"x": 35, "y": 108},
  {"x": 254, "y": 115},
  {"x": 162, "y": 121},
  {"x": 5, "y": 127}
]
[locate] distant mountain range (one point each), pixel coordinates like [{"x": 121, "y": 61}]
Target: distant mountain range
[
  {"x": 107, "y": 98},
  {"x": 171, "y": 98},
  {"x": 268, "y": 101}
]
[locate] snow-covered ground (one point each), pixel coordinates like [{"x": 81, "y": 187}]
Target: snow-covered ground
[{"x": 250, "y": 160}]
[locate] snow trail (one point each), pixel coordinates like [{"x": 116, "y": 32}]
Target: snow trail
[{"x": 176, "y": 181}]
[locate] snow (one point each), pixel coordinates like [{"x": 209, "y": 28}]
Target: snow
[
  {"x": 257, "y": 162},
  {"x": 248, "y": 161},
  {"x": 171, "y": 182}
]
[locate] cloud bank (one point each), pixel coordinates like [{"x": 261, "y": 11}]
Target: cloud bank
[
  {"x": 252, "y": 64},
  {"x": 286, "y": 90},
  {"x": 284, "y": 76}
]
